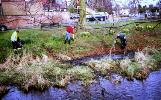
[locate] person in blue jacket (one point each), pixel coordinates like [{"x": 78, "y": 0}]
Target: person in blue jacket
[{"x": 67, "y": 37}]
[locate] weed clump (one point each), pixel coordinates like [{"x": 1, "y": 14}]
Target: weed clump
[
  {"x": 112, "y": 32},
  {"x": 139, "y": 67},
  {"x": 85, "y": 34},
  {"x": 139, "y": 28},
  {"x": 126, "y": 31},
  {"x": 149, "y": 27},
  {"x": 41, "y": 72}
]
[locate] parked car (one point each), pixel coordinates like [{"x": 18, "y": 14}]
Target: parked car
[
  {"x": 101, "y": 16},
  {"x": 3, "y": 27},
  {"x": 74, "y": 16}
]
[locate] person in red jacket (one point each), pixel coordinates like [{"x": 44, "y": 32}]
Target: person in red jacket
[{"x": 70, "y": 29}]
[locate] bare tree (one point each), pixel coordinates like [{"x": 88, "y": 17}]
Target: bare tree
[
  {"x": 101, "y": 5},
  {"x": 133, "y": 5}
]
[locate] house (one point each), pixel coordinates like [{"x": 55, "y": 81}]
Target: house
[
  {"x": 24, "y": 13},
  {"x": 26, "y": 7}
]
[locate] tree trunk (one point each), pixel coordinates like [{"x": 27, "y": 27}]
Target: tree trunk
[
  {"x": 82, "y": 13},
  {"x": 1, "y": 9}
]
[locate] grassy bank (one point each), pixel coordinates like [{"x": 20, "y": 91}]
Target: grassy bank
[
  {"x": 38, "y": 64},
  {"x": 50, "y": 41},
  {"x": 40, "y": 73},
  {"x": 138, "y": 67}
]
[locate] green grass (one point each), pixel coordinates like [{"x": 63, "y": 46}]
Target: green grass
[
  {"x": 110, "y": 24},
  {"x": 40, "y": 42},
  {"x": 36, "y": 42}
]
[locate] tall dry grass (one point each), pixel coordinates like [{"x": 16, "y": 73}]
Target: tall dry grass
[
  {"x": 31, "y": 72},
  {"x": 138, "y": 67}
]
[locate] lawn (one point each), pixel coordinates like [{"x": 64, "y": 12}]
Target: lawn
[
  {"x": 117, "y": 24},
  {"x": 40, "y": 42}
]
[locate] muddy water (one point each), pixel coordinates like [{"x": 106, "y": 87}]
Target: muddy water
[
  {"x": 80, "y": 61},
  {"x": 103, "y": 89}
]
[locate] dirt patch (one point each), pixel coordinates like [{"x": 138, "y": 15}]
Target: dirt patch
[{"x": 136, "y": 42}]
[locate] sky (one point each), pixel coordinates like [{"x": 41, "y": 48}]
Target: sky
[
  {"x": 147, "y": 2},
  {"x": 143, "y": 2}
]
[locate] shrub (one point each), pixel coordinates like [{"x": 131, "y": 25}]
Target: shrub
[
  {"x": 133, "y": 67},
  {"x": 86, "y": 34},
  {"x": 144, "y": 60},
  {"x": 126, "y": 31},
  {"x": 112, "y": 32},
  {"x": 139, "y": 28},
  {"x": 82, "y": 73},
  {"x": 149, "y": 27},
  {"x": 124, "y": 64}
]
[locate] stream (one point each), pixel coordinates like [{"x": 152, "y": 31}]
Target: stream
[
  {"x": 119, "y": 56},
  {"x": 101, "y": 89}
]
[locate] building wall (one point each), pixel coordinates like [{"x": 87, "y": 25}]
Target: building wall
[
  {"x": 24, "y": 7},
  {"x": 14, "y": 8},
  {"x": 23, "y": 13},
  {"x": 34, "y": 9}
]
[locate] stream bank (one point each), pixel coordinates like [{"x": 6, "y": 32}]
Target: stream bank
[{"x": 148, "y": 89}]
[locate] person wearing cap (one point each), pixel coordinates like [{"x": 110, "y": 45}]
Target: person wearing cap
[
  {"x": 123, "y": 41},
  {"x": 16, "y": 40}
]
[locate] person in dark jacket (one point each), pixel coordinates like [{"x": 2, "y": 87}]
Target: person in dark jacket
[{"x": 122, "y": 38}]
